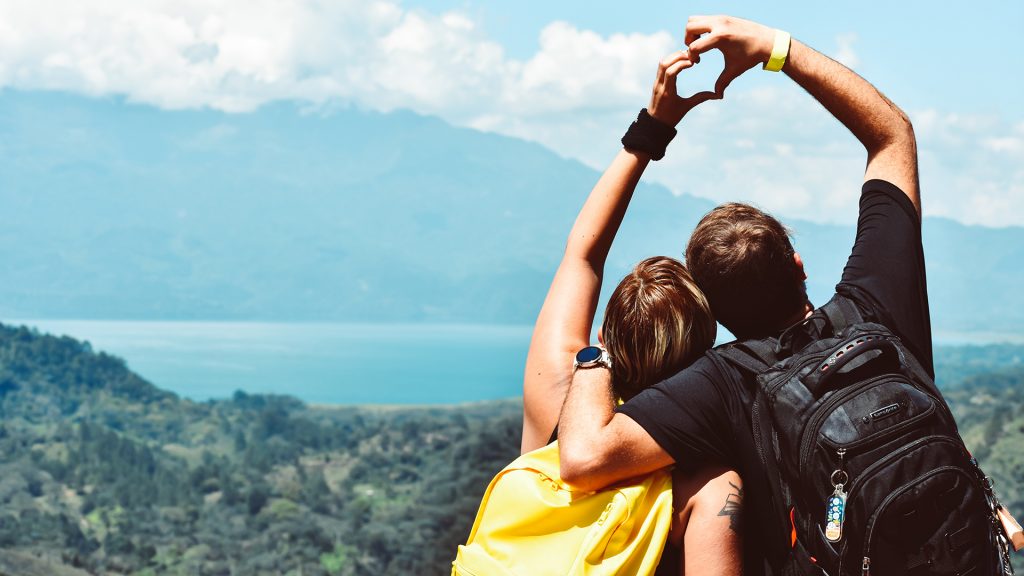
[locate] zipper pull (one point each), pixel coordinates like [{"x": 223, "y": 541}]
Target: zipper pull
[
  {"x": 839, "y": 476},
  {"x": 865, "y": 568}
]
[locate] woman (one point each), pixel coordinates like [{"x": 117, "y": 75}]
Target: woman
[{"x": 657, "y": 322}]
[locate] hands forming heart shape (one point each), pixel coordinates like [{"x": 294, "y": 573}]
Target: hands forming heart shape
[{"x": 743, "y": 43}]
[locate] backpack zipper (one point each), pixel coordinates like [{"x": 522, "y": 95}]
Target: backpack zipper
[
  {"x": 821, "y": 414},
  {"x": 866, "y": 565},
  {"x": 891, "y": 431},
  {"x": 867, "y": 472},
  {"x": 780, "y": 511},
  {"x": 811, "y": 432},
  {"x": 764, "y": 392},
  {"x": 870, "y": 470}
]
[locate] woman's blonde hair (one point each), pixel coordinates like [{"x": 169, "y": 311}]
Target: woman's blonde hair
[{"x": 656, "y": 323}]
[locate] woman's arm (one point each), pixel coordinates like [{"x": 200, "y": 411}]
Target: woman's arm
[{"x": 566, "y": 319}]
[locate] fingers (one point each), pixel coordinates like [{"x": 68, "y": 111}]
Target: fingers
[
  {"x": 678, "y": 67},
  {"x": 671, "y": 60},
  {"x": 696, "y": 26},
  {"x": 703, "y": 44},
  {"x": 669, "y": 79}
]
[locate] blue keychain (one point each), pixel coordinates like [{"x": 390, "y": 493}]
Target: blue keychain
[{"x": 835, "y": 511}]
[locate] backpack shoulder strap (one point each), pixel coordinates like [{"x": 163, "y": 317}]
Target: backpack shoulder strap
[
  {"x": 765, "y": 350},
  {"x": 751, "y": 356},
  {"x": 841, "y": 313}
]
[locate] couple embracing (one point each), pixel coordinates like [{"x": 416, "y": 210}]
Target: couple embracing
[{"x": 817, "y": 442}]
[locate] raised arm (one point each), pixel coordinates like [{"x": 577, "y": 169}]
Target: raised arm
[
  {"x": 566, "y": 318},
  {"x": 883, "y": 129}
]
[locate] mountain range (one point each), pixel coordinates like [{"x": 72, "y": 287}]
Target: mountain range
[{"x": 113, "y": 210}]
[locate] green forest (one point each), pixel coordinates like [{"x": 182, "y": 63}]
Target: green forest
[{"x": 103, "y": 473}]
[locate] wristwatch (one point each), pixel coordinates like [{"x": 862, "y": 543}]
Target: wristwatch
[{"x": 592, "y": 357}]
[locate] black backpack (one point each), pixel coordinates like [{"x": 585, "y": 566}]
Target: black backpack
[{"x": 867, "y": 470}]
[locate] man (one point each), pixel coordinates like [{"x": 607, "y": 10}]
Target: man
[{"x": 743, "y": 260}]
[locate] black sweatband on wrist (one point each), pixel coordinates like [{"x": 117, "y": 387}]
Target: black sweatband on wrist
[{"x": 648, "y": 135}]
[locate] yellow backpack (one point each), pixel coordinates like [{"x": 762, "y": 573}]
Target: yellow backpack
[{"x": 531, "y": 523}]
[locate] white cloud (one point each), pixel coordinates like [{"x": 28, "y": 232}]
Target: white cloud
[
  {"x": 776, "y": 147},
  {"x": 235, "y": 55},
  {"x": 972, "y": 168},
  {"x": 846, "y": 55},
  {"x": 767, "y": 142},
  {"x": 1008, "y": 144}
]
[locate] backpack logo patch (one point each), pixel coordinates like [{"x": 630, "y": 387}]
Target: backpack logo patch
[{"x": 887, "y": 411}]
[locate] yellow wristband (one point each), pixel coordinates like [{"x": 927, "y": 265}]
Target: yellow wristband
[{"x": 779, "y": 51}]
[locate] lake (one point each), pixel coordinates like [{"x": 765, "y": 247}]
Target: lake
[
  {"x": 318, "y": 363},
  {"x": 335, "y": 363}
]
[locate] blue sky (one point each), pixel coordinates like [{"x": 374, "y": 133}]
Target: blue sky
[
  {"x": 926, "y": 53},
  {"x": 570, "y": 75}
]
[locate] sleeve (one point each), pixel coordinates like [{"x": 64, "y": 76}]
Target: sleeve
[
  {"x": 686, "y": 415},
  {"x": 885, "y": 275}
]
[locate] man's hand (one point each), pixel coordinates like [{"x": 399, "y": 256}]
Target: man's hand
[
  {"x": 744, "y": 44},
  {"x": 666, "y": 105}
]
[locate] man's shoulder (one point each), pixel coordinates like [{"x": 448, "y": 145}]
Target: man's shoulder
[
  {"x": 877, "y": 190},
  {"x": 869, "y": 308},
  {"x": 711, "y": 369},
  {"x": 702, "y": 368}
]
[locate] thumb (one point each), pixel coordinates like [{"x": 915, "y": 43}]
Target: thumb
[
  {"x": 701, "y": 97},
  {"x": 698, "y": 99},
  {"x": 729, "y": 74}
]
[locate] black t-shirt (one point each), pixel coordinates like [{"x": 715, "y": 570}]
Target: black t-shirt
[{"x": 702, "y": 414}]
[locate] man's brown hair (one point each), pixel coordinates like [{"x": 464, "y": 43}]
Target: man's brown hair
[
  {"x": 656, "y": 323},
  {"x": 742, "y": 259}
]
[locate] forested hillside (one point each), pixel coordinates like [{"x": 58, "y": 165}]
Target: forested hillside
[{"x": 101, "y": 472}]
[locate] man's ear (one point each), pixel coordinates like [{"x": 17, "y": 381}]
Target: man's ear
[
  {"x": 600, "y": 337},
  {"x": 799, "y": 264}
]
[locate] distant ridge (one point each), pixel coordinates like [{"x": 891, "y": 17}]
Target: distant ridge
[{"x": 352, "y": 216}]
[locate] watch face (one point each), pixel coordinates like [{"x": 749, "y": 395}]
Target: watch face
[{"x": 588, "y": 355}]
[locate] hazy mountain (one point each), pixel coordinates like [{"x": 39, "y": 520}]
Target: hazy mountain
[{"x": 112, "y": 210}]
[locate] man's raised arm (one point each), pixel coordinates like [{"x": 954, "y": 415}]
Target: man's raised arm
[{"x": 883, "y": 129}]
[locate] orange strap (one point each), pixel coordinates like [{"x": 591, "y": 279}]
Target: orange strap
[
  {"x": 792, "y": 523},
  {"x": 1014, "y": 533}
]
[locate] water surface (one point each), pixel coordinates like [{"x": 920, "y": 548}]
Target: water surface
[
  {"x": 336, "y": 363},
  {"x": 318, "y": 363}
]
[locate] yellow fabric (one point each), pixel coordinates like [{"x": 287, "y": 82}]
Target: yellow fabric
[
  {"x": 780, "y": 50},
  {"x": 531, "y": 523}
]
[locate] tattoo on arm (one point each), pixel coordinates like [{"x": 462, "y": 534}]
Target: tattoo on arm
[{"x": 733, "y": 507}]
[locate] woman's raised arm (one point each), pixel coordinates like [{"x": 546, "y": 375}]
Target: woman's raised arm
[{"x": 566, "y": 319}]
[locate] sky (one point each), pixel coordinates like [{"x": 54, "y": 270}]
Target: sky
[{"x": 571, "y": 75}]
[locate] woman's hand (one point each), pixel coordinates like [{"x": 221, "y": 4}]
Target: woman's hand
[{"x": 666, "y": 105}]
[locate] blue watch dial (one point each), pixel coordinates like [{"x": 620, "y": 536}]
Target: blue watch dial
[{"x": 588, "y": 354}]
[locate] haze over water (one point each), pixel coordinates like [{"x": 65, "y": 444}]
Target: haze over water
[
  {"x": 318, "y": 363},
  {"x": 335, "y": 363}
]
